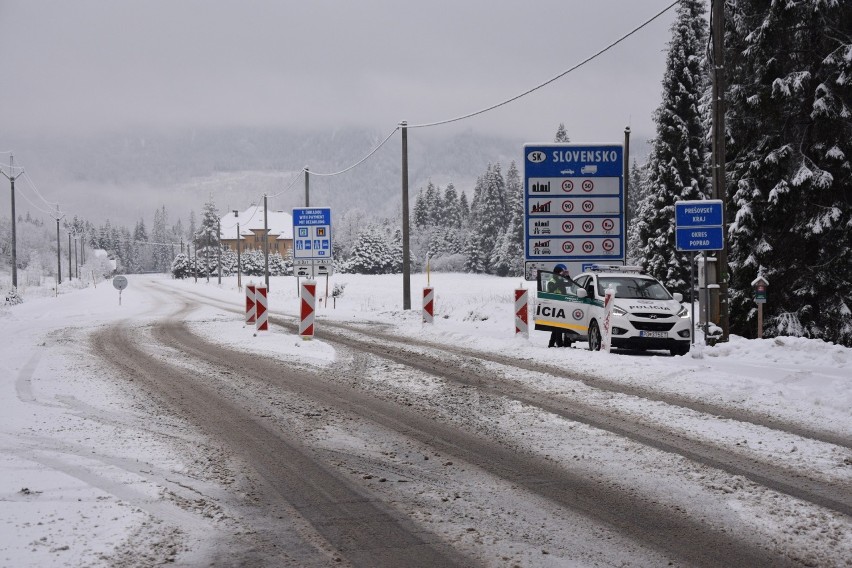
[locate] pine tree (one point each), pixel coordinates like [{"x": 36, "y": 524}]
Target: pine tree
[
  {"x": 207, "y": 238},
  {"x": 488, "y": 219},
  {"x": 181, "y": 267},
  {"x": 637, "y": 194},
  {"x": 162, "y": 250},
  {"x": 473, "y": 256},
  {"x": 139, "y": 259},
  {"x": 464, "y": 208},
  {"x": 789, "y": 184},
  {"x": 677, "y": 166},
  {"x": 371, "y": 254},
  {"x": 451, "y": 208},
  {"x": 561, "y": 134},
  {"x": 509, "y": 257},
  {"x": 421, "y": 212}
]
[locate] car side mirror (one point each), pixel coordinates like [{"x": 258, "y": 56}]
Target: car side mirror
[
  {"x": 581, "y": 293},
  {"x": 678, "y": 297}
]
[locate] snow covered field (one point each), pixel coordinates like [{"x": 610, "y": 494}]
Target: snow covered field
[{"x": 84, "y": 482}]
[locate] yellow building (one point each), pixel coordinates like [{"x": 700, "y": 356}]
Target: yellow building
[{"x": 252, "y": 233}]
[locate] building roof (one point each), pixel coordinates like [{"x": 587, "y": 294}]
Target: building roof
[{"x": 280, "y": 223}]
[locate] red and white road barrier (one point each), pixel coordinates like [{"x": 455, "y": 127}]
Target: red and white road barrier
[
  {"x": 250, "y": 304},
  {"x": 261, "y": 307},
  {"x": 606, "y": 332},
  {"x": 428, "y": 305},
  {"x": 521, "y": 312},
  {"x": 308, "y": 295}
]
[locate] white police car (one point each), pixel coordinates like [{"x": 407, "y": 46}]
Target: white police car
[{"x": 645, "y": 315}]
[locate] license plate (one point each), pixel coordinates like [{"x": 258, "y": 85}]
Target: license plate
[{"x": 660, "y": 334}]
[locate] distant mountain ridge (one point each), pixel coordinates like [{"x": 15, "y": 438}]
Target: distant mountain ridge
[
  {"x": 123, "y": 174},
  {"x": 126, "y": 176}
]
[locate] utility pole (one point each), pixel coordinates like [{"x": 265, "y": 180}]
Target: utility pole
[
  {"x": 58, "y": 250},
  {"x": 76, "y": 263},
  {"x": 307, "y": 187},
  {"x": 626, "y": 174},
  {"x": 11, "y": 177},
  {"x": 219, "y": 248},
  {"x": 719, "y": 190},
  {"x": 265, "y": 243},
  {"x": 70, "y": 266},
  {"x": 239, "y": 266},
  {"x": 406, "y": 258}
]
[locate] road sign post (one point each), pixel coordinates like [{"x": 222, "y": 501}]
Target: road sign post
[
  {"x": 760, "y": 284},
  {"x": 699, "y": 228},
  {"x": 119, "y": 283},
  {"x": 573, "y": 206}
]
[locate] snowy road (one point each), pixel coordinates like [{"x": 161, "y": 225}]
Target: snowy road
[
  {"x": 458, "y": 421},
  {"x": 368, "y": 447}
]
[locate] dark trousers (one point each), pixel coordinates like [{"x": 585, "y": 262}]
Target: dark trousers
[{"x": 555, "y": 339}]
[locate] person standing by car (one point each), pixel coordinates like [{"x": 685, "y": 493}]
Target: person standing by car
[{"x": 557, "y": 284}]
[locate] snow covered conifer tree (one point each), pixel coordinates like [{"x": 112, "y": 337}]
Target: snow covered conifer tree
[
  {"x": 561, "y": 134},
  {"x": 508, "y": 259},
  {"x": 636, "y": 196},
  {"x": 677, "y": 165},
  {"x": 181, "y": 267},
  {"x": 207, "y": 238},
  {"x": 473, "y": 256},
  {"x": 371, "y": 253},
  {"x": 421, "y": 214},
  {"x": 789, "y": 156},
  {"x": 488, "y": 217}
]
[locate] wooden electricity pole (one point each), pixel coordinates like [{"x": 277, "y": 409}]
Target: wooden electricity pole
[
  {"x": 11, "y": 177},
  {"x": 406, "y": 258},
  {"x": 719, "y": 190}
]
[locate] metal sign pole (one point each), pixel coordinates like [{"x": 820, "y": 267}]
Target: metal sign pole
[
  {"x": 706, "y": 299},
  {"x": 692, "y": 298}
]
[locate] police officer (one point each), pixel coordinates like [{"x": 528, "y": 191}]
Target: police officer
[{"x": 556, "y": 284}]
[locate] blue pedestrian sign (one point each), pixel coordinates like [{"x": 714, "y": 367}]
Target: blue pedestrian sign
[{"x": 699, "y": 225}]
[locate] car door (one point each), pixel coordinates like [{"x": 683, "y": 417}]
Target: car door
[{"x": 555, "y": 311}]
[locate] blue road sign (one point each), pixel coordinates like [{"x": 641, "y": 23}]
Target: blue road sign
[
  {"x": 699, "y": 238},
  {"x": 573, "y": 203},
  {"x": 699, "y": 225},
  {"x": 311, "y": 234},
  {"x": 706, "y": 213}
]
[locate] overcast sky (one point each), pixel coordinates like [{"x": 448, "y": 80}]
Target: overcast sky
[{"x": 94, "y": 65}]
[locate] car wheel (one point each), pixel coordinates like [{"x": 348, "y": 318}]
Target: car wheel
[
  {"x": 679, "y": 350},
  {"x": 594, "y": 336}
]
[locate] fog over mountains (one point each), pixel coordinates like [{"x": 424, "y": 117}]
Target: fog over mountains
[{"x": 124, "y": 177}]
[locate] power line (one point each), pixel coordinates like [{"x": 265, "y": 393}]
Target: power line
[
  {"x": 292, "y": 183},
  {"x": 362, "y": 160},
  {"x": 549, "y": 81},
  {"x": 507, "y": 101},
  {"x": 35, "y": 189},
  {"x": 45, "y": 211}
]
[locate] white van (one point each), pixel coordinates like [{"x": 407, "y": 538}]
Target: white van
[{"x": 645, "y": 315}]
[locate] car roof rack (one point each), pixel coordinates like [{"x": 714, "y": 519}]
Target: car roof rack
[{"x": 615, "y": 268}]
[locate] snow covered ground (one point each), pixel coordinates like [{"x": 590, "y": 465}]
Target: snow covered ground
[{"x": 83, "y": 480}]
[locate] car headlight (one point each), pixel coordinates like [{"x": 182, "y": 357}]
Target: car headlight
[
  {"x": 683, "y": 312},
  {"x": 618, "y": 311}
]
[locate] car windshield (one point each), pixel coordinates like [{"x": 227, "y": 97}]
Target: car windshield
[
  {"x": 550, "y": 282},
  {"x": 633, "y": 287}
]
